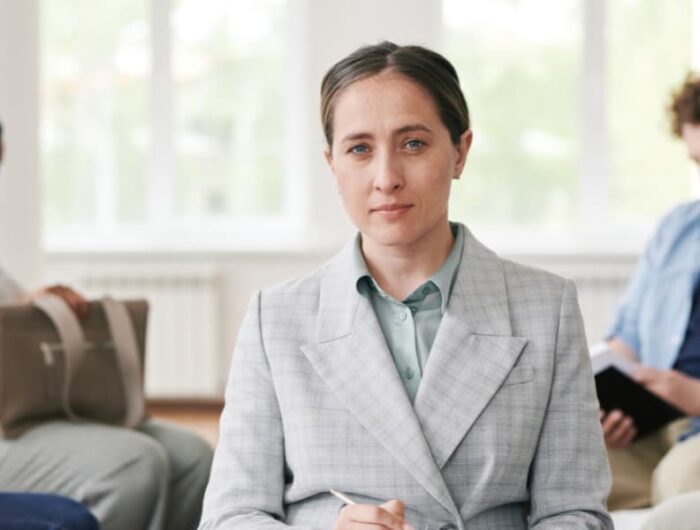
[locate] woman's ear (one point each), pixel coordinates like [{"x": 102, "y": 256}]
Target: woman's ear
[
  {"x": 463, "y": 146},
  {"x": 329, "y": 157}
]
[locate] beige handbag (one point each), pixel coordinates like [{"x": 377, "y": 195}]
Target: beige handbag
[{"x": 54, "y": 366}]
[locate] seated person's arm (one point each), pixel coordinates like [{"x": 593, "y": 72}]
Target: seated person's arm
[
  {"x": 12, "y": 292},
  {"x": 621, "y": 349},
  {"x": 75, "y": 300},
  {"x": 675, "y": 387}
]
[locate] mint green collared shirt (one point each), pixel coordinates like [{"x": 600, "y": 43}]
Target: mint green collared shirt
[{"x": 410, "y": 326}]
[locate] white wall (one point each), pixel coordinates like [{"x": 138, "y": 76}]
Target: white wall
[{"x": 19, "y": 174}]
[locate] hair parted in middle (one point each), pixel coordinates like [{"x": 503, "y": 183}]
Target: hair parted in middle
[{"x": 425, "y": 67}]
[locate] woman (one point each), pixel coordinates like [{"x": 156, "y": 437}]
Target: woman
[{"x": 435, "y": 384}]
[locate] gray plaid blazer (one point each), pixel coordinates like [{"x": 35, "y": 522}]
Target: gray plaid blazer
[{"x": 504, "y": 432}]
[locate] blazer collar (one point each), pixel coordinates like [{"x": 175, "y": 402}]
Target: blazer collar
[
  {"x": 481, "y": 298},
  {"x": 473, "y": 345}
]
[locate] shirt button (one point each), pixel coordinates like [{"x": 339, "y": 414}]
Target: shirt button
[
  {"x": 403, "y": 316},
  {"x": 408, "y": 373}
]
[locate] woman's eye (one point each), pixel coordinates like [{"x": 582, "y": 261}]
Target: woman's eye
[
  {"x": 359, "y": 150},
  {"x": 414, "y": 144}
]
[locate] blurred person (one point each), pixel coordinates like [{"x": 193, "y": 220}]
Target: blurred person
[
  {"x": 152, "y": 477},
  {"x": 658, "y": 326},
  {"x": 679, "y": 512},
  {"x": 434, "y": 383},
  {"x": 41, "y": 511}
]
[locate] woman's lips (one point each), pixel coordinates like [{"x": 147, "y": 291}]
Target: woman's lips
[{"x": 391, "y": 211}]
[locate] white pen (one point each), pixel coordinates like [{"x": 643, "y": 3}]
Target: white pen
[
  {"x": 348, "y": 500},
  {"x": 343, "y": 497}
]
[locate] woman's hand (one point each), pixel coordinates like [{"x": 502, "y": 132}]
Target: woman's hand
[
  {"x": 75, "y": 300},
  {"x": 618, "y": 429},
  {"x": 675, "y": 387},
  {"x": 387, "y": 516}
]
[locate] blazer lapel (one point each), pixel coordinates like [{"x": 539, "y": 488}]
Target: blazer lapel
[
  {"x": 473, "y": 352},
  {"x": 352, "y": 358}
]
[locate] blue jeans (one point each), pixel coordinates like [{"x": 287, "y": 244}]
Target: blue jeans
[{"x": 40, "y": 511}]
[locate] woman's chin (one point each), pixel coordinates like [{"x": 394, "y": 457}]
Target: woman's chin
[{"x": 390, "y": 236}]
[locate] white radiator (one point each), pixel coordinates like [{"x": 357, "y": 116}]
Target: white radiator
[
  {"x": 599, "y": 293},
  {"x": 600, "y": 283},
  {"x": 183, "y": 342},
  {"x": 188, "y": 353}
]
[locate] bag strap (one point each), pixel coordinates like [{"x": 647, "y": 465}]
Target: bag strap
[
  {"x": 73, "y": 341},
  {"x": 124, "y": 338},
  {"x": 71, "y": 336}
]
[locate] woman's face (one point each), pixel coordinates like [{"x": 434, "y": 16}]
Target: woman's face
[{"x": 393, "y": 160}]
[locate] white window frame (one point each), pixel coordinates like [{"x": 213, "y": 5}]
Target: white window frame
[
  {"x": 318, "y": 221},
  {"x": 593, "y": 234}
]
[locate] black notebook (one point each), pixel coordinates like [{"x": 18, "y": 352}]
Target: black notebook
[{"x": 617, "y": 390}]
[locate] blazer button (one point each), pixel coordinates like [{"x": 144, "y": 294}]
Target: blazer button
[{"x": 448, "y": 526}]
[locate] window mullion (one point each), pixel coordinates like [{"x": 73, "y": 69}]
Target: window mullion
[
  {"x": 161, "y": 188},
  {"x": 594, "y": 175}
]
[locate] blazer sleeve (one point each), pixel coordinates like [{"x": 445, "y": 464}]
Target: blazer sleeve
[
  {"x": 570, "y": 476},
  {"x": 246, "y": 485}
]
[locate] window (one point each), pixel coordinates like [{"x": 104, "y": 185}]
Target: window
[
  {"x": 649, "y": 52},
  {"x": 168, "y": 121},
  {"x": 95, "y": 131},
  {"x": 568, "y": 104},
  {"x": 153, "y": 116},
  {"x": 227, "y": 64}
]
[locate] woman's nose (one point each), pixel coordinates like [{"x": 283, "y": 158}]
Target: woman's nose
[{"x": 389, "y": 176}]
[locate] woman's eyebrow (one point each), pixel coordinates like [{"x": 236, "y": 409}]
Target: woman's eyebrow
[
  {"x": 357, "y": 136},
  {"x": 411, "y": 128}
]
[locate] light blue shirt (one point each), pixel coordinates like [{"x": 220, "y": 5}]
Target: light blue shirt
[
  {"x": 410, "y": 326},
  {"x": 652, "y": 318}
]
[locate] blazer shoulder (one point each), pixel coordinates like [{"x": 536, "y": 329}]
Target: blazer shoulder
[
  {"x": 305, "y": 292},
  {"x": 487, "y": 264},
  {"x": 533, "y": 291},
  {"x": 300, "y": 290},
  {"x": 519, "y": 275}
]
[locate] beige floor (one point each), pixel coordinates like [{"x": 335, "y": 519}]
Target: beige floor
[{"x": 200, "y": 416}]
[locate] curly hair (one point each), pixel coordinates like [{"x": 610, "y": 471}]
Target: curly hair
[{"x": 685, "y": 104}]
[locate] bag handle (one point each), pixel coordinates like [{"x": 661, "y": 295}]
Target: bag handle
[
  {"x": 124, "y": 342},
  {"x": 71, "y": 336},
  {"x": 124, "y": 338}
]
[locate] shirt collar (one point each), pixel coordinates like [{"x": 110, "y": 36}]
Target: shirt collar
[{"x": 443, "y": 279}]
